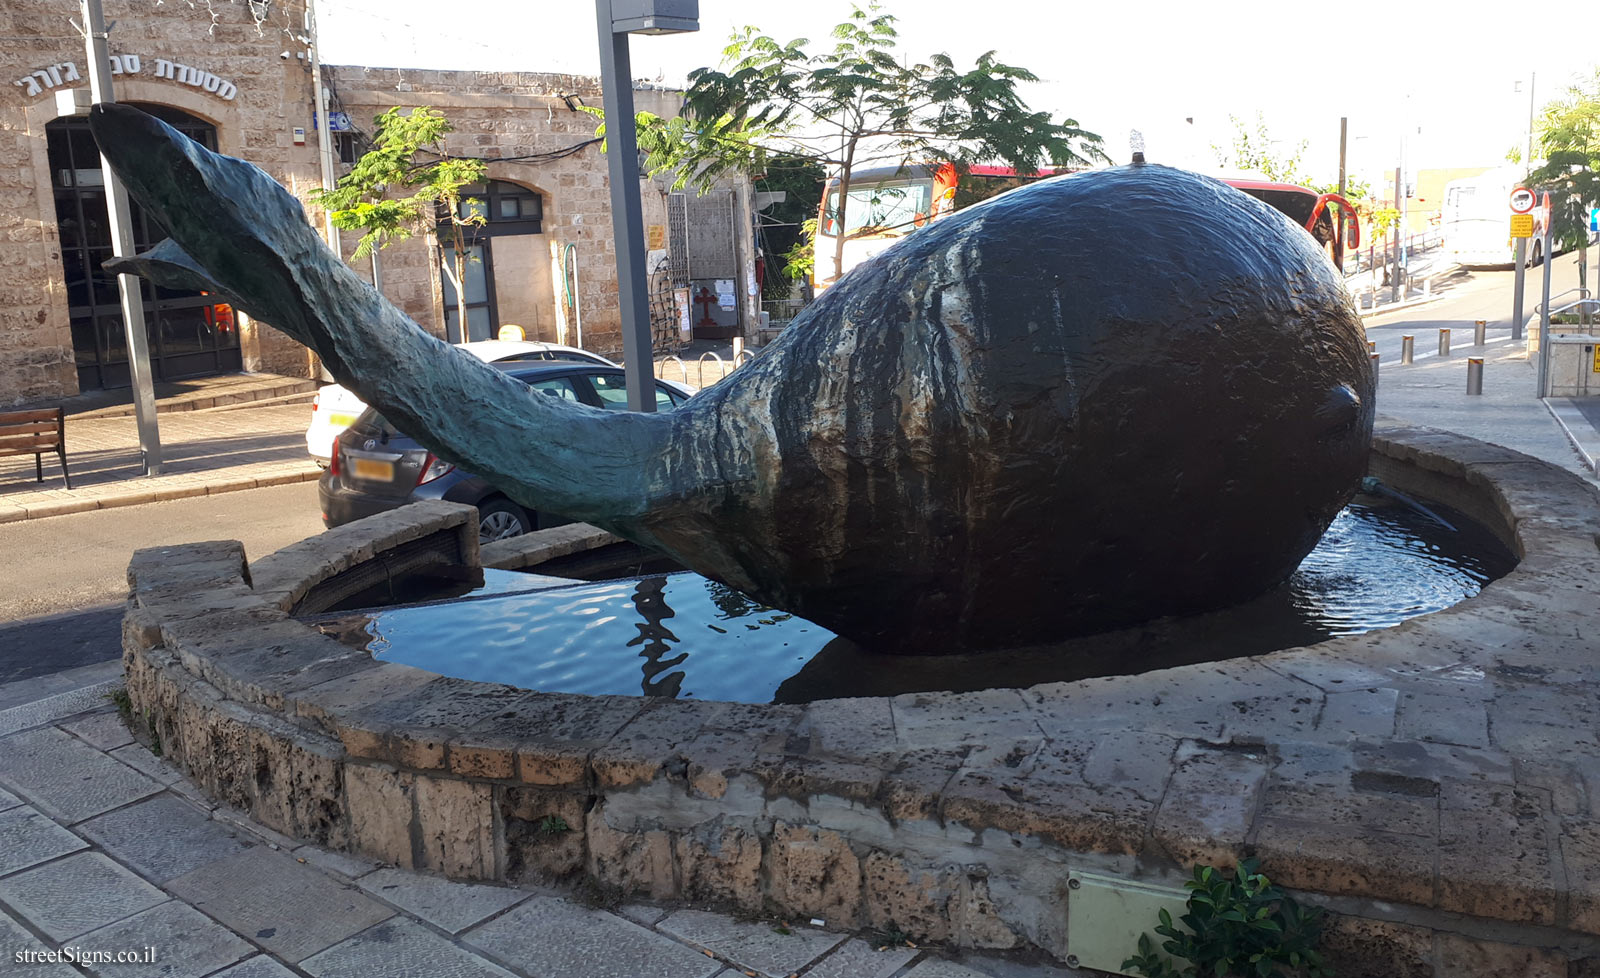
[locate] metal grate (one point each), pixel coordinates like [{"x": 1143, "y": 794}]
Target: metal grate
[
  {"x": 678, "y": 238},
  {"x": 710, "y": 233}
]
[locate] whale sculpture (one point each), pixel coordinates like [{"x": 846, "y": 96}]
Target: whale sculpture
[{"x": 1095, "y": 400}]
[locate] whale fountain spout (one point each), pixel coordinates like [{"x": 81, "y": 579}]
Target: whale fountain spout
[{"x": 1091, "y": 401}]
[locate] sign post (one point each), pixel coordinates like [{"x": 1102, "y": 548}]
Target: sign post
[
  {"x": 1544, "y": 306},
  {"x": 119, "y": 220},
  {"x": 1521, "y": 221}
]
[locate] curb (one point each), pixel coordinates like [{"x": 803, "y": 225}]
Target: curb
[
  {"x": 1421, "y": 300},
  {"x": 138, "y": 497},
  {"x": 1583, "y": 436}
]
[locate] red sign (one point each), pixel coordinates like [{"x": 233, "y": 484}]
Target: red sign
[{"x": 1522, "y": 201}]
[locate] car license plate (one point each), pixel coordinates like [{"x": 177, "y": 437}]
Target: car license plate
[
  {"x": 341, "y": 420},
  {"x": 373, "y": 469}
]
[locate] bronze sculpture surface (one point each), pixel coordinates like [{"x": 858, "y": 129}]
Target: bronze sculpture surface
[{"x": 1095, "y": 400}]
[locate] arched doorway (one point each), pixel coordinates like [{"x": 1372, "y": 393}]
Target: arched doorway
[
  {"x": 190, "y": 334},
  {"x": 509, "y": 243}
]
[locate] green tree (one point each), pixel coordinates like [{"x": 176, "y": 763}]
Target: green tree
[
  {"x": 1252, "y": 151},
  {"x": 784, "y": 226},
  {"x": 408, "y": 157},
  {"x": 1569, "y": 135},
  {"x": 855, "y": 105}
]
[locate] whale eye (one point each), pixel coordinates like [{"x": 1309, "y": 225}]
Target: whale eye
[{"x": 1337, "y": 413}]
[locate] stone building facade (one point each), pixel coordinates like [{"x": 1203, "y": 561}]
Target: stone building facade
[{"x": 237, "y": 76}]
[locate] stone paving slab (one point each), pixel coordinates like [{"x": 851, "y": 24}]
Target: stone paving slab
[
  {"x": 66, "y": 777},
  {"x": 28, "y": 838},
  {"x": 551, "y": 938},
  {"x": 138, "y": 757},
  {"x": 55, "y": 897},
  {"x": 341, "y": 863},
  {"x": 55, "y": 707},
  {"x": 400, "y": 949},
  {"x": 163, "y": 837},
  {"x": 8, "y": 800},
  {"x": 14, "y": 940},
  {"x": 280, "y": 904},
  {"x": 187, "y": 943},
  {"x": 858, "y": 959},
  {"x": 938, "y": 968},
  {"x": 449, "y": 906},
  {"x": 102, "y": 731},
  {"x": 756, "y": 947},
  {"x": 259, "y": 966}
]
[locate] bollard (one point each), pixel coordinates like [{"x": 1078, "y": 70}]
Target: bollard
[
  {"x": 1375, "y": 360},
  {"x": 1372, "y": 346},
  {"x": 738, "y": 347},
  {"x": 1479, "y": 331},
  {"x": 1444, "y": 342},
  {"x": 1408, "y": 345},
  {"x": 1474, "y": 375}
]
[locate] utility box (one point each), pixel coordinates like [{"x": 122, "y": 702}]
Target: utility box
[
  {"x": 1574, "y": 365},
  {"x": 1106, "y": 915},
  {"x": 655, "y": 16}
]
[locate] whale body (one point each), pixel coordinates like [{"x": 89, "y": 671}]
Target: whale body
[{"x": 1094, "y": 400}]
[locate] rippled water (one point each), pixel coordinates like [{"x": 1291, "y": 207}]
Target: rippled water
[{"x": 683, "y": 635}]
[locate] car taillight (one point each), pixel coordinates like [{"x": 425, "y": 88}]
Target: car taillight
[
  {"x": 433, "y": 468},
  {"x": 333, "y": 462}
]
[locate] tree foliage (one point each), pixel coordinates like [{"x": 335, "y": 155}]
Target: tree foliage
[
  {"x": 855, "y": 105},
  {"x": 408, "y": 158},
  {"x": 1252, "y": 151},
  {"x": 1569, "y": 135}
]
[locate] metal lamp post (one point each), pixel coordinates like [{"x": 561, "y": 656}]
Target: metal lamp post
[{"x": 616, "y": 20}]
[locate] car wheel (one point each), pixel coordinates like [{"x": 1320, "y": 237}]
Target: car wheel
[{"x": 501, "y": 519}]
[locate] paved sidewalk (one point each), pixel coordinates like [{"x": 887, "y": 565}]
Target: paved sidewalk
[
  {"x": 86, "y": 810},
  {"x": 203, "y": 451}
]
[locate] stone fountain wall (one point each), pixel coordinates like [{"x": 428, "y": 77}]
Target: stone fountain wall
[{"x": 1437, "y": 784}]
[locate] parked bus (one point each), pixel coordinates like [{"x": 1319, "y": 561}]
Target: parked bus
[
  {"x": 1476, "y": 220},
  {"x": 887, "y": 203}
]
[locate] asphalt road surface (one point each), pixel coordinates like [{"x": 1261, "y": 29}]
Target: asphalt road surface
[{"x": 64, "y": 579}]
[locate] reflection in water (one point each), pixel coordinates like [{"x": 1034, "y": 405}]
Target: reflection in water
[
  {"x": 650, "y": 599},
  {"x": 1378, "y": 565}
]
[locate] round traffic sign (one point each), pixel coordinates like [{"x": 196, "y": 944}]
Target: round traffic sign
[{"x": 1522, "y": 200}]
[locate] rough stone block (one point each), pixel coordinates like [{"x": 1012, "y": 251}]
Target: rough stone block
[
  {"x": 634, "y": 862},
  {"x": 639, "y": 751},
  {"x": 1358, "y": 947},
  {"x": 1495, "y": 853},
  {"x": 1209, "y": 806},
  {"x": 814, "y": 872},
  {"x": 1462, "y": 957},
  {"x": 1348, "y": 860},
  {"x": 382, "y": 812},
  {"x": 455, "y": 828},
  {"x": 721, "y": 864},
  {"x": 544, "y": 832}
]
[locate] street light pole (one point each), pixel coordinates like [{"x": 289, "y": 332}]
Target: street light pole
[
  {"x": 118, "y": 217},
  {"x": 627, "y": 214}
]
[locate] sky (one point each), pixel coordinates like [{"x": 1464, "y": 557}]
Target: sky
[{"x": 1444, "y": 82}]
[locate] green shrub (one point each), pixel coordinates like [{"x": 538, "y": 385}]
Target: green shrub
[{"x": 1239, "y": 927}]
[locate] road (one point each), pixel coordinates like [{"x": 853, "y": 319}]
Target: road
[
  {"x": 63, "y": 599},
  {"x": 1432, "y": 389}
]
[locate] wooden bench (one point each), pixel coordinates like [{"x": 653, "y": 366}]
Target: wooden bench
[{"x": 34, "y": 433}]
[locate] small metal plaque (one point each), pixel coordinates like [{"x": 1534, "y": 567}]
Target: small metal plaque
[{"x": 1106, "y": 915}]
